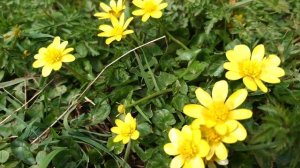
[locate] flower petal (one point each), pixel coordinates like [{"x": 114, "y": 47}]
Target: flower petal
[
  {"x": 269, "y": 78},
  {"x": 221, "y": 151},
  {"x": 46, "y": 71},
  {"x": 240, "y": 133},
  {"x": 273, "y": 60},
  {"x": 118, "y": 138},
  {"x": 261, "y": 85},
  {"x": 197, "y": 162},
  {"x": 56, "y": 66},
  {"x": 105, "y": 28},
  {"x": 250, "y": 83},
  {"x": 125, "y": 140},
  {"x": 145, "y": 17},
  {"x": 220, "y": 91},
  {"x": 258, "y": 53},
  {"x": 236, "y": 99},
  {"x": 116, "y": 130},
  {"x": 67, "y": 50},
  {"x": 38, "y": 63},
  {"x": 193, "y": 110},
  {"x": 68, "y": 58},
  {"x": 105, "y": 7},
  {"x": 156, "y": 14},
  {"x": 174, "y": 135},
  {"x": 203, "y": 97},
  {"x": 204, "y": 148},
  {"x": 221, "y": 129},
  {"x": 171, "y": 149},
  {"x": 231, "y": 66},
  {"x": 177, "y": 162},
  {"x": 127, "y": 22},
  {"x": 56, "y": 41},
  {"x": 138, "y": 12},
  {"x": 241, "y": 52},
  {"x": 274, "y": 71},
  {"x": 109, "y": 40},
  {"x": 138, "y": 3},
  {"x": 135, "y": 135},
  {"x": 240, "y": 114},
  {"x": 232, "y": 75},
  {"x": 162, "y": 6}
]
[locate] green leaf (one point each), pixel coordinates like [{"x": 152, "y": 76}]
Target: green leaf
[
  {"x": 187, "y": 55},
  {"x": 163, "y": 119},
  {"x": 165, "y": 79},
  {"x": 144, "y": 129},
  {"x": 21, "y": 150},
  {"x": 4, "y": 155},
  {"x": 116, "y": 147},
  {"x": 100, "y": 112},
  {"x": 47, "y": 159},
  {"x": 179, "y": 100}
]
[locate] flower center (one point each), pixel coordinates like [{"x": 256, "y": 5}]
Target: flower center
[
  {"x": 115, "y": 13},
  {"x": 220, "y": 111},
  {"x": 251, "y": 68},
  {"x": 53, "y": 55},
  {"x": 150, "y": 6},
  {"x": 127, "y": 131},
  {"x": 118, "y": 31},
  {"x": 210, "y": 135},
  {"x": 188, "y": 149}
]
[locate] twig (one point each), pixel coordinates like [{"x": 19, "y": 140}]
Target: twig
[
  {"x": 91, "y": 83},
  {"x": 25, "y": 104}
]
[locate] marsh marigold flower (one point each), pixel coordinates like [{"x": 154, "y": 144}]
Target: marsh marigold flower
[
  {"x": 253, "y": 68},
  {"x": 149, "y": 8},
  {"x": 113, "y": 10},
  {"x": 218, "y": 152},
  {"x": 216, "y": 111},
  {"x": 187, "y": 147},
  {"x": 125, "y": 130},
  {"x": 117, "y": 31},
  {"x": 52, "y": 57}
]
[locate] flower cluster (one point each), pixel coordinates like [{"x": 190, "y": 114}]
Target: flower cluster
[
  {"x": 118, "y": 28},
  {"x": 216, "y": 117}
]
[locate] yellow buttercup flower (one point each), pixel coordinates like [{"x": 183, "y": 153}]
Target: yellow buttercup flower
[
  {"x": 187, "y": 147},
  {"x": 113, "y": 10},
  {"x": 236, "y": 132},
  {"x": 125, "y": 130},
  {"x": 117, "y": 31},
  {"x": 149, "y": 8},
  {"x": 216, "y": 111},
  {"x": 253, "y": 68},
  {"x": 52, "y": 57}
]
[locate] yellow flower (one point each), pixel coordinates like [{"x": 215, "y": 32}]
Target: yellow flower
[
  {"x": 125, "y": 130},
  {"x": 117, "y": 31},
  {"x": 121, "y": 108},
  {"x": 236, "y": 132},
  {"x": 149, "y": 8},
  {"x": 253, "y": 68},
  {"x": 52, "y": 57},
  {"x": 113, "y": 10},
  {"x": 216, "y": 111},
  {"x": 187, "y": 147}
]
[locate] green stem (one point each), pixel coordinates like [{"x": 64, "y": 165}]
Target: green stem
[
  {"x": 176, "y": 41},
  {"x": 127, "y": 152},
  {"x": 149, "y": 97}
]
